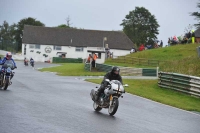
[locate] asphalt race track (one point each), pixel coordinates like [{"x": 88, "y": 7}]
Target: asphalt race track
[{"x": 42, "y": 102}]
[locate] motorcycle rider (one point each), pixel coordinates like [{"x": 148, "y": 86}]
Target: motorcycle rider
[
  {"x": 8, "y": 57},
  {"x": 31, "y": 60},
  {"x": 113, "y": 75},
  {"x": 25, "y": 61}
]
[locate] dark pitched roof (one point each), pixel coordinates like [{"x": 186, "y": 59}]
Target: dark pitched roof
[
  {"x": 197, "y": 33},
  {"x": 85, "y": 38}
]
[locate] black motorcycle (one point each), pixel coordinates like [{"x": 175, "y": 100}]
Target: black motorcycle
[
  {"x": 6, "y": 74},
  {"x": 32, "y": 63}
]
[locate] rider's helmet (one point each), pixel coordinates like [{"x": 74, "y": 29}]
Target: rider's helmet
[
  {"x": 115, "y": 70},
  {"x": 8, "y": 55}
]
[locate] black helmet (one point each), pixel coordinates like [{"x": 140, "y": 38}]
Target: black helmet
[{"x": 114, "y": 70}]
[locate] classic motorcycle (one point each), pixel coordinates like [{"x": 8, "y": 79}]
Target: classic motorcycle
[
  {"x": 32, "y": 63},
  {"x": 6, "y": 74},
  {"x": 108, "y": 99},
  {"x": 26, "y": 62}
]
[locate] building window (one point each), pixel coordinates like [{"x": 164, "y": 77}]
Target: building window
[
  {"x": 31, "y": 46},
  {"x": 79, "y": 49},
  {"x": 99, "y": 55},
  {"x": 37, "y": 46},
  {"x": 57, "y": 48}
]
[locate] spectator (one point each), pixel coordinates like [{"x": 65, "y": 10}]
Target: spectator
[
  {"x": 169, "y": 41},
  {"x": 188, "y": 35},
  {"x": 149, "y": 46},
  {"x": 133, "y": 50},
  {"x": 193, "y": 36},
  {"x": 94, "y": 57},
  {"x": 161, "y": 43},
  {"x": 141, "y": 48},
  {"x": 89, "y": 58}
]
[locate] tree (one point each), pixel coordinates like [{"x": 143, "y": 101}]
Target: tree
[
  {"x": 7, "y": 35},
  {"x": 68, "y": 21},
  {"x": 63, "y": 26},
  {"x": 67, "y": 25},
  {"x": 140, "y": 26},
  {"x": 188, "y": 28},
  {"x": 7, "y": 31},
  {"x": 20, "y": 27},
  {"x": 197, "y": 16}
]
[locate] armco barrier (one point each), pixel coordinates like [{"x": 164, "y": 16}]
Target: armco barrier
[
  {"x": 87, "y": 66},
  {"x": 128, "y": 71},
  {"x": 66, "y": 60},
  {"x": 180, "y": 82},
  {"x": 103, "y": 67},
  {"x": 149, "y": 72}
]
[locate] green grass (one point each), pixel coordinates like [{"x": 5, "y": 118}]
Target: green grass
[
  {"x": 182, "y": 59},
  {"x": 110, "y": 62},
  {"x": 150, "y": 90},
  {"x": 72, "y": 69}
]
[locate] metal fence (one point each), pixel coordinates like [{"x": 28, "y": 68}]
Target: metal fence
[
  {"x": 67, "y": 60},
  {"x": 128, "y": 71},
  {"x": 137, "y": 61},
  {"x": 179, "y": 82}
]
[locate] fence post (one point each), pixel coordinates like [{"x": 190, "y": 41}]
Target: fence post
[
  {"x": 157, "y": 71},
  {"x": 90, "y": 65},
  {"x": 139, "y": 60}
]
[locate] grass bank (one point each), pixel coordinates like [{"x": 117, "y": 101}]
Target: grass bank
[
  {"x": 150, "y": 90},
  {"x": 182, "y": 59},
  {"x": 72, "y": 69}
]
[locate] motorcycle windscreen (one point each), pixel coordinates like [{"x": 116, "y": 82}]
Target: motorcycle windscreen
[
  {"x": 115, "y": 86},
  {"x": 8, "y": 63}
]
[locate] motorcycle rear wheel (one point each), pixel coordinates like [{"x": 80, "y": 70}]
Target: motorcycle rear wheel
[
  {"x": 113, "y": 108},
  {"x": 96, "y": 107}
]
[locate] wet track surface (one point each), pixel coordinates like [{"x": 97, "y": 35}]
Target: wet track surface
[{"x": 41, "y": 102}]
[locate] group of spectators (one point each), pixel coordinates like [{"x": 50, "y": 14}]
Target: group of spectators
[
  {"x": 187, "y": 38},
  {"x": 92, "y": 59},
  {"x": 147, "y": 46}
]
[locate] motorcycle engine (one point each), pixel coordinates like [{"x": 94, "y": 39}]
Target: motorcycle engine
[{"x": 101, "y": 101}]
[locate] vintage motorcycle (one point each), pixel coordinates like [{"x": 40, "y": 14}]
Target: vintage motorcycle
[
  {"x": 26, "y": 62},
  {"x": 32, "y": 63},
  {"x": 6, "y": 74},
  {"x": 108, "y": 99}
]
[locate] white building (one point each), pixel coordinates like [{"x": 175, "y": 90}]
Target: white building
[{"x": 44, "y": 43}]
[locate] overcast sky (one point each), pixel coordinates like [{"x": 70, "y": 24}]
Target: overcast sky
[{"x": 172, "y": 15}]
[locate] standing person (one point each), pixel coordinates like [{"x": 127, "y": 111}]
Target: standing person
[
  {"x": 89, "y": 58},
  {"x": 169, "y": 41},
  {"x": 193, "y": 36},
  {"x": 94, "y": 57},
  {"x": 189, "y": 35},
  {"x": 161, "y": 43}
]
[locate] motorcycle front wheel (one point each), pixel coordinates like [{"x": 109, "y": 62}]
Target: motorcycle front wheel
[
  {"x": 113, "y": 108},
  {"x": 6, "y": 84},
  {"x": 96, "y": 107}
]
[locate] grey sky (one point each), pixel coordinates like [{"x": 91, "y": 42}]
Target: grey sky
[{"x": 172, "y": 15}]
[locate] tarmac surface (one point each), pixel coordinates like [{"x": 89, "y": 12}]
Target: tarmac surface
[{"x": 42, "y": 102}]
